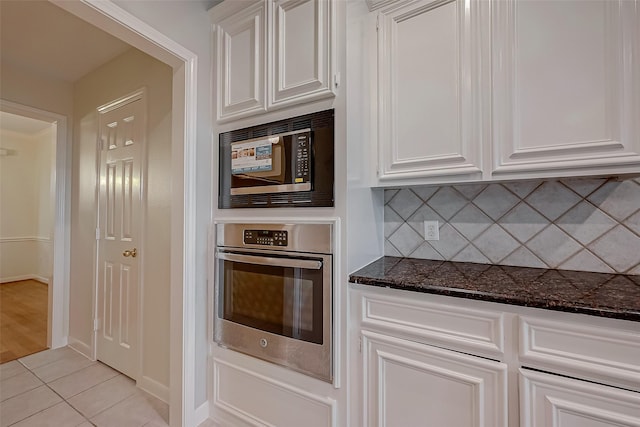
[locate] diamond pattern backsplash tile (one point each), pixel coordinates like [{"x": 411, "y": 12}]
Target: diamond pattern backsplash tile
[{"x": 572, "y": 224}]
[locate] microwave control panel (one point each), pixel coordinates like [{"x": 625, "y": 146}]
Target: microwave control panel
[
  {"x": 266, "y": 237},
  {"x": 302, "y": 159}
]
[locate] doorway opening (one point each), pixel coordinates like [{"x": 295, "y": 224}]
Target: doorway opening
[
  {"x": 34, "y": 237},
  {"x": 26, "y": 233},
  {"x": 182, "y": 233},
  {"x": 117, "y": 22}
]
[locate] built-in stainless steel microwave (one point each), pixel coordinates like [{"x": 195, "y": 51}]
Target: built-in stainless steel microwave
[{"x": 284, "y": 163}]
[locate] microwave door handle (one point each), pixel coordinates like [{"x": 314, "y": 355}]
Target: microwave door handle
[{"x": 276, "y": 262}]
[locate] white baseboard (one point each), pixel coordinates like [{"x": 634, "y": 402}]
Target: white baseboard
[
  {"x": 42, "y": 279},
  {"x": 154, "y": 388},
  {"x": 15, "y": 278},
  {"x": 24, "y": 277},
  {"x": 202, "y": 413},
  {"x": 80, "y": 347}
]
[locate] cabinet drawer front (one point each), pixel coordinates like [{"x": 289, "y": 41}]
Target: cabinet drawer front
[
  {"x": 551, "y": 400},
  {"x": 463, "y": 329},
  {"x": 600, "y": 354},
  {"x": 406, "y": 383}
]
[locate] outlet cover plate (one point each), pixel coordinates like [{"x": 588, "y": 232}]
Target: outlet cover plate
[{"x": 431, "y": 230}]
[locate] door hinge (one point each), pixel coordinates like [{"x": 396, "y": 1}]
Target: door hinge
[
  {"x": 336, "y": 79},
  {"x": 97, "y": 234},
  {"x": 377, "y": 22},
  {"x": 96, "y": 324},
  {"x": 360, "y": 345}
]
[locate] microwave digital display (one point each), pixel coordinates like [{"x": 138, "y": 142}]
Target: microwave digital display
[
  {"x": 285, "y": 163},
  {"x": 255, "y": 156},
  {"x": 280, "y": 163}
]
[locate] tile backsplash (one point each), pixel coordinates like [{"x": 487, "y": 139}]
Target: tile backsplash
[{"x": 573, "y": 224}]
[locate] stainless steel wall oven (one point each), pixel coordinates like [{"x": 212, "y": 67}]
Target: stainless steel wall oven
[{"x": 274, "y": 292}]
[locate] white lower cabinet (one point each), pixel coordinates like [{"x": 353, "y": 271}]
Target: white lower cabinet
[
  {"x": 412, "y": 384},
  {"x": 548, "y": 400},
  {"x": 429, "y": 360},
  {"x": 421, "y": 362},
  {"x": 243, "y": 396}
]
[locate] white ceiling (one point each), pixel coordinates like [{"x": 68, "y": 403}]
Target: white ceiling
[
  {"x": 39, "y": 37},
  {"x": 21, "y": 124}
]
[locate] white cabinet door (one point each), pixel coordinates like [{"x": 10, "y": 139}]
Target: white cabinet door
[
  {"x": 411, "y": 384},
  {"x": 240, "y": 63},
  {"x": 432, "y": 89},
  {"x": 300, "y": 54},
  {"x": 553, "y": 401},
  {"x": 566, "y": 88}
]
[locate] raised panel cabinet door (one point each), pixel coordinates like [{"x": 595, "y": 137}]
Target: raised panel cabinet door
[
  {"x": 301, "y": 61},
  {"x": 411, "y": 384},
  {"x": 240, "y": 63},
  {"x": 548, "y": 400},
  {"x": 432, "y": 89},
  {"x": 566, "y": 93}
]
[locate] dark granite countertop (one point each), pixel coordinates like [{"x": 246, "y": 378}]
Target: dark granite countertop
[{"x": 599, "y": 294}]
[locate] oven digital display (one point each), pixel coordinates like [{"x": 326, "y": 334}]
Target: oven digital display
[{"x": 266, "y": 237}]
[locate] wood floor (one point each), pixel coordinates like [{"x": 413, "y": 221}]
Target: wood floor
[{"x": 23, "y": 319}]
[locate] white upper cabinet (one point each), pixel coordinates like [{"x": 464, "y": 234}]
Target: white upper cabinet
[
  {"x": 301, "y": 65},
  {"x": 240, "y": 63},
  {"x": 566, "y": 91},
  {"x": 432, "y": 90},
  {"x": 270, "y": 54},
  {"x": 478, "y": 90}
]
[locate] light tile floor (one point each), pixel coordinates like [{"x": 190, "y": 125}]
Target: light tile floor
[{"x": 63, "y": 388}]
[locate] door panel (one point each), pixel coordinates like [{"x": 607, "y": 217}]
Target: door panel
[
  {"x": 431, "y": 89},
  {"x": 240, "y": 63},
  {"x": 548, "y": 400},
  {"x": 301, "y": 65},
  {"x": 412, "y": 384},
  {"x": 565, "y": 94},
  {"x": 122, "y": 136}
]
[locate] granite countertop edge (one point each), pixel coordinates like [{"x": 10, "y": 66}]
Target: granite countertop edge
[{"x": 614, "y": 296}]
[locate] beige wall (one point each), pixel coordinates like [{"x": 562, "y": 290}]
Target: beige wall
[
  {"x": 35, "y": 90},
  {"x": 193, "y": 31},
  {"x": 122, "y": 76},
  {"x": 26, "y": 205}
]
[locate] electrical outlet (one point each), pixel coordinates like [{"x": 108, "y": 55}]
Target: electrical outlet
[{"x": 431, "y": 230}]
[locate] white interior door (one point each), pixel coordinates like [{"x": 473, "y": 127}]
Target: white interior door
[{"x": 121, "y": 136}]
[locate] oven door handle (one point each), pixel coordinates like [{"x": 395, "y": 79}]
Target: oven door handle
[{"x": 276, "y": 262}]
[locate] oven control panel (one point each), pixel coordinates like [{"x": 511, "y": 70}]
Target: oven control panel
[{"x": 266, "y": 237}]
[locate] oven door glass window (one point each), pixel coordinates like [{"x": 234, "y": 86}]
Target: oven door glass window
[{"x": 280, "y": 299}]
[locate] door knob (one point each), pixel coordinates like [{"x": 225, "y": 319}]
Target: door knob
[{"x": 132, "y": 253}]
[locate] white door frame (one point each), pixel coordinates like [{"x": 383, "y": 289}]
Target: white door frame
[
  {"x": 116, "y": 21},
  {"x": 58, "y": 305}
]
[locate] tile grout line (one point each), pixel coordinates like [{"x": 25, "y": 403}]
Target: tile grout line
[
  {"x": 134, "y": 392},
  {"x": 63, "y": 400},
  {"x": 43, "y": 383},
  {"x": 522, "y": 199}
]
